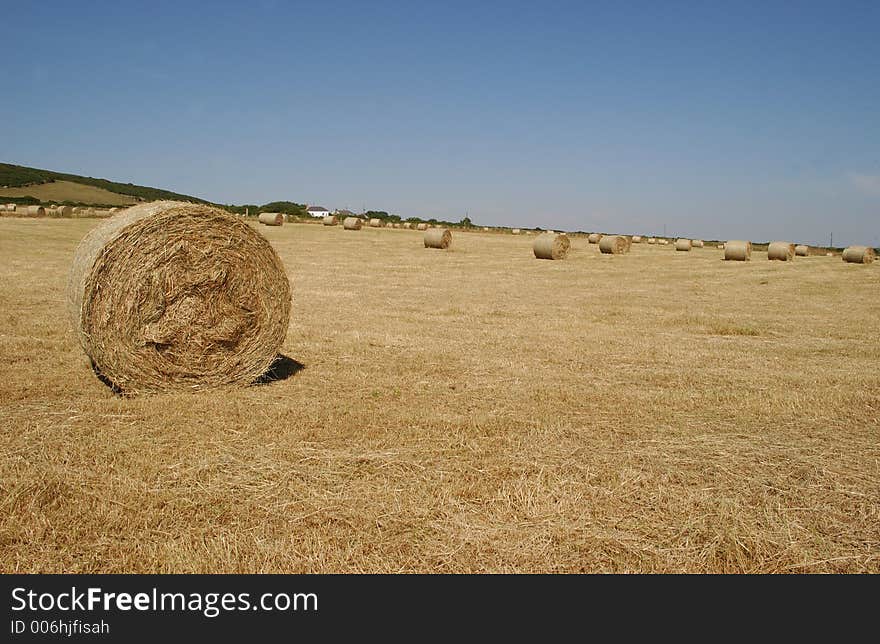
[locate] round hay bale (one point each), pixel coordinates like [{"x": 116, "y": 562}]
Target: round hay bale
[
  {"x": 829, "y": 254},
  {"x": 53, "y": 212},
  {"x": 663, "y": 242},
  {"x": 720, "y": 246},
  {"x": 697, "y": 243},
  {"x": 613, "y": 245},
  {"x": 858, "y": 255},
  {"x": 422, "y": 227},
  {"x": 64, "y": 211},
  {"x": 683, "y": 244},
  {"x": 780, "y": 251},
  {"x": 438, "y": 238},
  {"x": 178, "y": 296},
  {"x": 36, "y": 211},
  {"x": 375, "y": 223},
  {"x": 652, "y": 240},
  {"x": 352, "y": 223},
  {"x": 801, "y": 250},
  {"x": 594, "y": 238},
  {"x": 515, "y": 231},
  {"x": 271, "y": 218},
  {"x": 738, "y": 251},
  {"x": 485, "y": 229},
  {"x": 11, "y": 207},
  {"x": 551, "y": 246},
  {"x": 330, "y": 220},
  {"x": 636, "y": 239},
  {"x": 407, "y": 225}
]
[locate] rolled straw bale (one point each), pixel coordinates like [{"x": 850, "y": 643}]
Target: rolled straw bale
[
  {"x": 438, "y": 238},
  {"x": 683, "y": 244},
  {"x": 406, "y": 224},
  {"x": 102, "y": 214},
  {"x": 375, "y": 223},
  {"x": 594, "y": 238},
  {"x": 858, "y": 255},
  {"x": 829, "y": 254},
  {"x": 663, "y": 242},
  {"x": 36, "y": 211},
  {"x": 551, "y": 246},
  {"x": 485, "y": 229},
  {"x": 330, "y": 220},
  {"x": 10, "y": 207},
  {"x": 780, "y": 251},
  {"x": 53, "y": 212},
  {"x": 352, "y": 223},
  {"x": 515, "y": 231},
  {"x": 422, "y": 227},
  {"x": 721, "y": 246},
  {"x": 613, "y": 245},
  {"x": 636, "y": 239},
  {"x": 64, "y": 211},
  {"x": 652, "y": 240},
  {"x": 170, "y": 295},
  {"x": 697, "y": 243},
  {"x": 801, "y": 250},
  {"x": 271, "y": 218},
  {"x": 2, "y": 207},
  {"x": 738, "y": 250}
]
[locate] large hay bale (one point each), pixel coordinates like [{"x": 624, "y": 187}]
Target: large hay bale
[
  {"x": 551, "y": 246},
  {"x": 330, "y": 220},
  {"x": 594, "y": 238},
  {"x": 613, "y": 245},
  {"x": 697, "y": 243},
  {"x": 376, "y": 223},
  {"x": 683, "y": 244},
  {"x": 438, "y": 238},
  {"x": 515, "y": 231},
  {"x": 652, "y": 240},
  {"x": 780, "y": 251},
  {"x": 36, "y": 211},
  {"x": 422, "y": 227},
  {"x": 64, "y": 211},
  {"x": 858, "y": 255},
  {"x": 271, "y": 218},
  {"x": 636, "y": 239},
  {"x": 407, "y": 225},
  {"x": 171, "y": 295},
  {"x": 11, "y": 207},
  {"x": 801, "y": 250},
  {"x": 738, "y": 250},
  {"x": 352, "y": 223}
]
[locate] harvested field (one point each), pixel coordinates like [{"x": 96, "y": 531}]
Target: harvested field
[
  {"x": 452, "y": 417},
  {"x": 69, "y": 191}
]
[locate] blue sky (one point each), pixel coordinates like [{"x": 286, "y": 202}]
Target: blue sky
[{"x": 715, "y": 120}]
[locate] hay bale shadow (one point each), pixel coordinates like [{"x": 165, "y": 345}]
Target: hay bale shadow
[{"x": 281, "y": 369}]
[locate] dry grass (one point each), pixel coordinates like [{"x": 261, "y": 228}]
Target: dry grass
[
  {"x": 69, "y": 191},
  {"x": 453, "y": 417}
]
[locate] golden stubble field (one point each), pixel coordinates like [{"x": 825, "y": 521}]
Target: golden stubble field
[{"x": 474, "y": 410}]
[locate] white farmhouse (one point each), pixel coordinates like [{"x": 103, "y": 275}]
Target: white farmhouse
[{"x": 317, "y": 211}]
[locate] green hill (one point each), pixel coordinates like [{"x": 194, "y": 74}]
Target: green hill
[{"x": 18, "y": 176}]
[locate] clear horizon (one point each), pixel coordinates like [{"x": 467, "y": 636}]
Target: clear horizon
[{"x": 747, "y": 120}]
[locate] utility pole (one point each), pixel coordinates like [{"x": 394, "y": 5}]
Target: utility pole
[{"x": 832, "y": 240}]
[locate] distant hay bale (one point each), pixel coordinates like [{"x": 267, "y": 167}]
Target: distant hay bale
[
  {"x": 178, "y": 296},
  {"x": 271, "y": 218},
  {"x": 858, "y": 255},
  {"x": 11, "y": 207},
  {"x": 636, "y": 239},
  {"x": 330, "y": 220},
  {"x": 738, "y": 251},
  {"x": 113, "y": 211},
  {"x": 407, "y": 225},
  {"x": 64, "y": 211},
  {"x": 683, "y": 244},
  {"x": 485, "y": 229},
  {"x": 613, "y": 245},
  {"x": 551, "y": 246},
  {"x": 720, "y": 246},
  {"x": 53, "y": 212},
  {"x": 515, "y": 231},
  {"x": 801, "y": 251},
  {"x": 652, "y": 240},
  {"x": 594, "y": 238},
  {"x": 697, "y": 243},
  {"x": 375, "y": 223},
  {"x": 36, "y": 211},
  {"x": 829, "y": 254},
  {"x": 352, "y": 223},
  {"x": 102, "y": 213},
  {"x": 663, "y": 242},
  {"x": 780, "y": 251},
  {"x": 422, "y": 227},
  {"x": 438, "y": 238}
]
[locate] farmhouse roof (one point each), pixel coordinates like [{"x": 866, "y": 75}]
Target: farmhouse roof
[{"x": 316, "y": 209}]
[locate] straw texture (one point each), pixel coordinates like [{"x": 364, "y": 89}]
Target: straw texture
[
  {"x": 738, "y": 250},
  {"x": 438, "y": 238},
  {"x": 551, "y": 246}
]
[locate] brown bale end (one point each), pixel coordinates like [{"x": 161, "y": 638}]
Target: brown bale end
[
  {"x": 438, "y": 238},
  {"x": 858, "y": 255},
  {"x": 551, "y": 246},
  {"x": 178, "y": 296},
  {"x": 738, "y": 250},
  {"x": 271, "y": 218},
  {"x": 780, "y": 251},
  {"x": 36, "y": 211}
]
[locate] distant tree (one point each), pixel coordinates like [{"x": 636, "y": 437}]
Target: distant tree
[{"x": 466, "y": 222}]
